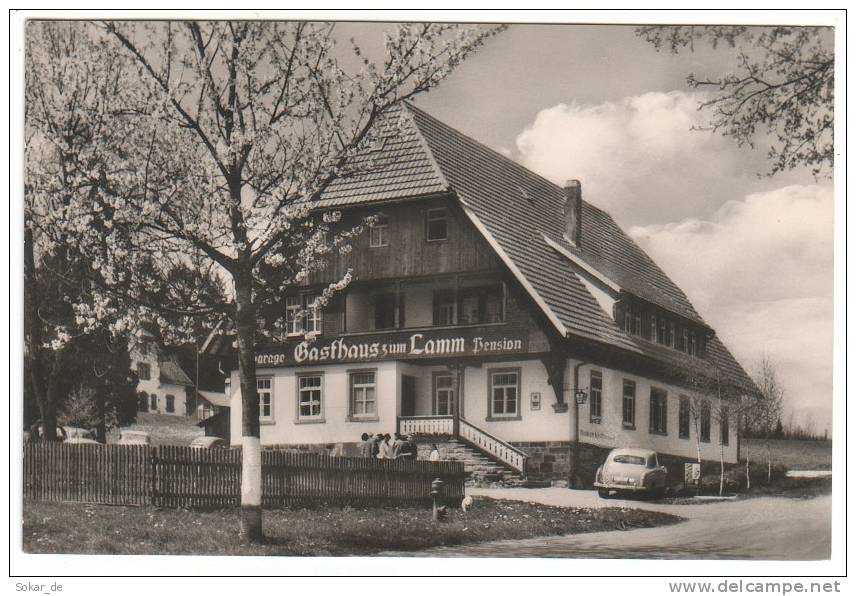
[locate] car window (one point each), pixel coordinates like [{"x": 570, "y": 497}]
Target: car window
[{"x": 636, "y": 460}]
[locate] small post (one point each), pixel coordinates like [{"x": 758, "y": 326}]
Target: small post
[{"x": 436, "y": 486}]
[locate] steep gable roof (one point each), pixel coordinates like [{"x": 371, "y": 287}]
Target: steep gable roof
[
  {"x": 171, "y": 372},
  {"x": 519, "y": 213}
]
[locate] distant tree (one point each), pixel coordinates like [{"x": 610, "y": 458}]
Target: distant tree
[
  {"x": 763, "y": 419},
  {"x": 783, "y": 86}
]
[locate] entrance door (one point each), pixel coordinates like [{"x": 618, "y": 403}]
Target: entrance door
[{"x": 408, "y": 395}]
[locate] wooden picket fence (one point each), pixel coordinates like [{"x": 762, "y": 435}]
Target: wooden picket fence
[
  {"x": 169, "y": 476},
  {"x": 110, "y": 474}
]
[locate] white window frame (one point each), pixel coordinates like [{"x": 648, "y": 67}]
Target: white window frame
[
  {"x": 293, "y": 316},
  {"x": 261, "y": 391},
  {"x": 595, "y": 417},
  {"x": 379, "y": 232},
  {"x": 319, "y": 417},
  {"x": 447, "y": 391},
  {"x": 492, "y": 386},
  {"x": 312, "y": 321},
  {"x": 362, "y": 388}
]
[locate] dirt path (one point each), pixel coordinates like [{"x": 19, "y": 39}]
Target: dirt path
[{"x": 770, "y": 528}]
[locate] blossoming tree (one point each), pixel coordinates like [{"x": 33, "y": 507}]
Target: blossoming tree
[{"x": 215, "y": 139}]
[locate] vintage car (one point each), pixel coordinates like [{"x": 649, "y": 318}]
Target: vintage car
[
  {"x": 631, "y": 470},
  {"x": 134, "y": 437},
  {"x": 79, "y": 436},
  {"x": 208, "y": 443}
]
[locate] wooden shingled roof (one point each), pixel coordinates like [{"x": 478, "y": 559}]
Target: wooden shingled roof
[{"x": 518, "y": 211}]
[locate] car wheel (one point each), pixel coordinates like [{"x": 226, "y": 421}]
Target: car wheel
[
  {"x": 603, "y": 493},
  {"x": 658, "y": 493}
]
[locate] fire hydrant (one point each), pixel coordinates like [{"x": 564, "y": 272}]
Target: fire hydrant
[{"x": 436, "y": 487}]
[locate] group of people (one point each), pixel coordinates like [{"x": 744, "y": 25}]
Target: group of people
[{"x": 386, "y": 446}]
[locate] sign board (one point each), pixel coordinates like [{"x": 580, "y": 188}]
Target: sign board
[
  {"x": 535, "y": 400},
  {"x": 581, "y": 396},
  {"x": 392, "y": 346},
  {"x": 692, "y": 473}
]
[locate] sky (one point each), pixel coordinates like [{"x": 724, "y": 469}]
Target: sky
[{"x": 597, "y": 104}]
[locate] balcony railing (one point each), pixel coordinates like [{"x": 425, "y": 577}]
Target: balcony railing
[
  {"x": 426, "y": 425},
  {"x": 506, "y": 453}
]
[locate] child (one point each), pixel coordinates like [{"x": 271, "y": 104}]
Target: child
[{"x": 435, "y": 453}]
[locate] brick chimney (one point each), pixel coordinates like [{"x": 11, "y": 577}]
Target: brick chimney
[{"x": 573, "y": 212}]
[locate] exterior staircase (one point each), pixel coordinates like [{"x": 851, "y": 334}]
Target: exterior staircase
[
  {"x": 480, "y": 469},
  {"x": 487, "y": 459}
]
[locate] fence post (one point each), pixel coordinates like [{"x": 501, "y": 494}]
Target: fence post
[{"x": 153, "y": 461}]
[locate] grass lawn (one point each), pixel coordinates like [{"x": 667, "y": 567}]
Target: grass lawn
[
  {"x": 164, "y": 429},
  {"x": 794, "y": 455},
  {"x": 337, "y": 531}
]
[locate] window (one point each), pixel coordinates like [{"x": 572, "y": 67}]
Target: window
[
  {"x": 436, "y": 225},
  {"x": 639, "y": 324},
  {"x": 628, "y": 405},
  {"x": 144, "y": 371},
  {"x": 723, "y": 425},
  {"x": 662, "y": 338},
  {"x": 595, "y": 403},
  {"x": 684, "y": 418},
  {"x": 378, "y": 232},
  {"x": 444, "y": 307},
  {"x": 293, "y": 324},
  {"x": 653, "y": 328},
  {"x": 683, "y": 339},
  {"x": 628, "y": 321},
  {"x": 143, "y": 401},
  {"x": 264, "y": 387},
  {"x": 153, "y": 402},
  {"x": 207, "y": 411},
  {"x": 658, "y": 412},
  {"x": 309, "y": 392},
  {"x": 363, "y": 395},
  {"x": 693, "y": 344},
  {"x": 384, "y": 310},
  {"x": 170, "y": 403},
  {"x": 672, "y": 334},
  {"x": 481, "y": 305},
  {"x": 444, "y": 394},
  {"x": 311, "y": 316},
  {"x": 704, "y": 423},
  {"x": 504, "y": 393}
]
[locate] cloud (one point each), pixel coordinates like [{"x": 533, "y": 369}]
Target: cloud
[
  {"x": 760, "y": 270},
  {"x": 639, "y": 158}
]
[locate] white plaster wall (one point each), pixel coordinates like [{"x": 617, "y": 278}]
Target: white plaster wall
[
  {"x": 610, "y": 432},
  {"x": 534, "y": 425},
  {"x": 335, "y": 427}
]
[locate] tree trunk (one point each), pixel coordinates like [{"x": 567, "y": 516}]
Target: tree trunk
[
  {"x": 251, "y": 467},
  {"x": 748, "y": 481},
  {"x": 101, "y": 413},
  {"x": 769, "y": 464},
  {"x": 721, "y": 469}
]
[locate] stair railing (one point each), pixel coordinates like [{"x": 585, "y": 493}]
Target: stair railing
[{"x": 506, "y": 453}]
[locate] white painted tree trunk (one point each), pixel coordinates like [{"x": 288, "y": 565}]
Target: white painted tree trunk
[{"x": 251, "y": 487}]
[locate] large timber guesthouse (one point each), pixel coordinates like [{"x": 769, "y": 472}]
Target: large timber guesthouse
[{"x": 486, "y": 302}]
